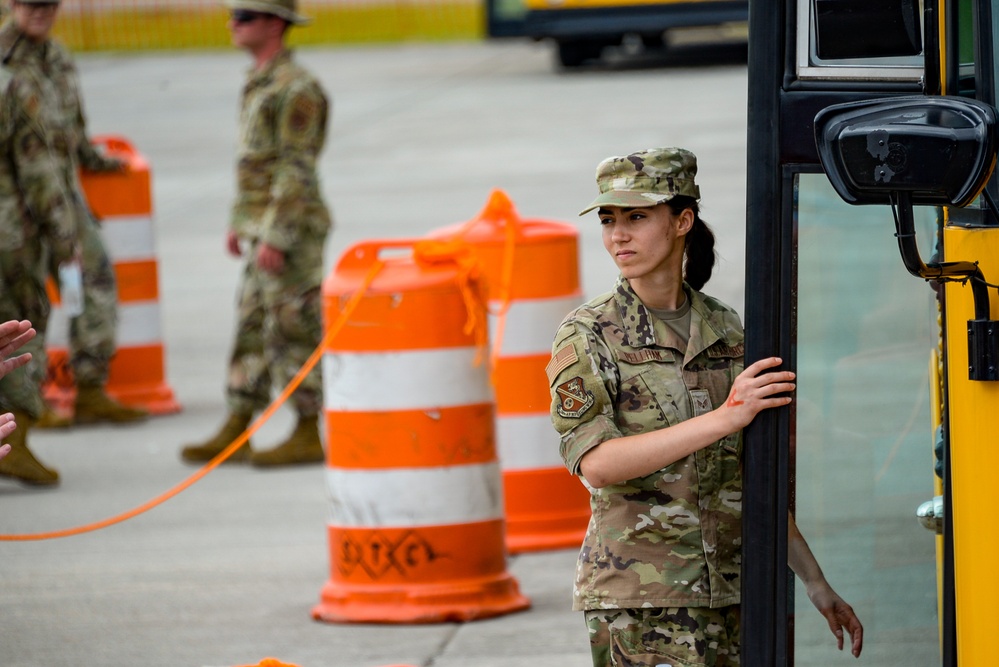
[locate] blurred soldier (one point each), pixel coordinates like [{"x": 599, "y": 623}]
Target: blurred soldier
[
  {"x": 279, "y": 223},
  {"x": 37, "y": 223},
  {"x": 26, "y": 43}
]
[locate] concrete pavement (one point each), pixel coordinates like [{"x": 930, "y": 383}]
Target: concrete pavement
[{"x": 226, "y": 573}]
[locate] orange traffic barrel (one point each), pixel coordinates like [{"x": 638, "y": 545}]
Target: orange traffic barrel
[
  {"x": 122, "y": 201},
  {"x": 416, "y": 519},
  {"x": 532, "y": 275}
]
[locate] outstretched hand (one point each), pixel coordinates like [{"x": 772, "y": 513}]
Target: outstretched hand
[
  {"x": 839, "y": 615},
  {"x": 14, "y": 334}
]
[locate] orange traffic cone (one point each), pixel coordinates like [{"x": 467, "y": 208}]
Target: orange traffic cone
[
  {"x": 532, "y": 270},
  {"x": 122, "y": 201},
  {"x": 416, "y": 528}
]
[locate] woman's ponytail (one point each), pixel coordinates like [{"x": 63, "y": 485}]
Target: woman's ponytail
[{"x": 699, "y": 250}]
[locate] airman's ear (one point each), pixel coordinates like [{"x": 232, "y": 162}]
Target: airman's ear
[{"x": 684, "y": 222}]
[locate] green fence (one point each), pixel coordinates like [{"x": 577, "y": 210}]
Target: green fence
[{"x": 102, "y": 25}]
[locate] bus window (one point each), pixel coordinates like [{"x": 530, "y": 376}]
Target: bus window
[
  {"x": 861, "y": 434},
  {"x": 810, "y": 66}
]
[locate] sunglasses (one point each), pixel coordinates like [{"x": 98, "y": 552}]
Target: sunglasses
[
  {"x": 38, "y": 6},
  {"x": 244, "y": 16}
]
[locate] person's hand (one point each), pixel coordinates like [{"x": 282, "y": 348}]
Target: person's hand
[
  {"x": 754, "y": 390},
  {"x": 839, "y": 615},
  {"x": 7, "y": 427},
  {"x": 269, "y": 258},
  {"x": 14, "y": 334},
  {"x": 232, "y": 244}
]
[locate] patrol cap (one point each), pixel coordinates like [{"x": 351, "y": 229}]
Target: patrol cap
[
  {"x": 645, "y": 178},
  {"x": 285, "y": 9}
]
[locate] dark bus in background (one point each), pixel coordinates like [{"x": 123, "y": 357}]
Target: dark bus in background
[{"x": 582, "y": 29}]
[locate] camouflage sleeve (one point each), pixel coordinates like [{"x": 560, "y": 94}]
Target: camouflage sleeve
[
  {"x": 48, "y": 199},
  {"x": 39, "y": 180},
  {"x": 7, "y": 109},
  {"x": 301, "y": 131},
  {"x": 90, "y": 158},
  {"x": 582, "y": 382}
]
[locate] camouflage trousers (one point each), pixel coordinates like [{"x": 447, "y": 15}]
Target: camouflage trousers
[
  {"x": 23, "y": 297},
  {"x": 92, "y": 333},
  {"x": 279, "y": 325},
  {"x": 664, "y": 637}
]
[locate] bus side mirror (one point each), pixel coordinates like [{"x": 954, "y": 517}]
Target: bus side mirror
[
  {"x": 940, "y": 150},
  {"x": 866, "y": 28},
  {"x": 935, "y": 151}
]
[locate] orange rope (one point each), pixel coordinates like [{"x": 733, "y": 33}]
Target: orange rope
[
  {"x": 456, "y": 251},
  {"x": 234, "y": 445},
  {"x": 499, "y": 208}
]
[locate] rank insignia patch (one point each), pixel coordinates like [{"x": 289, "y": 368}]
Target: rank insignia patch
[{"x": 574, "y": 398}]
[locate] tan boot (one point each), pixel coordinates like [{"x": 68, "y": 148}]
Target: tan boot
[
  {"x": 52, "y": 419},
  {"x": 20, "y": 463},
  {"x": 209, "y": 449},
  {"x": 94, "y": 405},
  {"x": 303, "y": 446}
]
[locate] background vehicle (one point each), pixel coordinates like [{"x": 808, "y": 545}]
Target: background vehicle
[
  {"x": 890, "y": 367},
  {"x": 581, "y": 29}
]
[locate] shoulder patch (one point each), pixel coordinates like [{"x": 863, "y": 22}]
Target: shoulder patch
[
  {"x": 565, "y": 357},
  {"x": 574, "y": 399},
  {"x": 303, "y": 111}
]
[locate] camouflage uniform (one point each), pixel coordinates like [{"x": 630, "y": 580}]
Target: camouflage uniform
[
  {"x": 282, "y": 130},
  {"x": 49, "y": 67},
  {"x": 671, "y": 539},
  {"x": 37, "y": 223}
]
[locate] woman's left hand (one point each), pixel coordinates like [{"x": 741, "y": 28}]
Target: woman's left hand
[{"x": 839, "y": 615}]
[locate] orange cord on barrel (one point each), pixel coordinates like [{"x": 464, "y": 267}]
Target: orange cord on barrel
[{"x": 234, "y": 445}]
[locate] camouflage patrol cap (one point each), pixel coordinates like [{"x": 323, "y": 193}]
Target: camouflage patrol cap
[
  {"x": 285, "y": 9},
  {"x": 645, "y": 178}
]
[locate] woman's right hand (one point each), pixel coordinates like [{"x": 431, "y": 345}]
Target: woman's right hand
[{"x": 755, "y": 390}]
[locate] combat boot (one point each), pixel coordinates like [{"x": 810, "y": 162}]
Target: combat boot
[
  {"x": 94, "y": 405},
  {"x": 303, "y": 446},
  {"x": 209, "y": 449},
  {"x": 20, "y": 463},
  {"x": 52, "y": 419}
]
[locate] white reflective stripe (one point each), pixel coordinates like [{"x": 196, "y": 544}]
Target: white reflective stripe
[
  {"x": 128, "y": 238},
  {"x": 531, "y": 324},
  {"x": 527, "y": 442},
  {"x": 415, "y": 496},
  {"x": 411, "y": 380},
  {"x": 138, "y": 324}
]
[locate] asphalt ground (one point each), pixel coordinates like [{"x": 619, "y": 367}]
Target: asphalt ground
[{"x": 226, "y": 572}]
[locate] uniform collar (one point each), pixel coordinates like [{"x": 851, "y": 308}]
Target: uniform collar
[
  {"x": 12, "y": 38},
  {"x": 643, "y": 329},
  {"x": 263, "y": 76}
]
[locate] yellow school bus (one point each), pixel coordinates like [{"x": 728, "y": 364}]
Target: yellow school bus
[
  {"x": 581, "y": 29},
  {"x": 872, "y": 263}
]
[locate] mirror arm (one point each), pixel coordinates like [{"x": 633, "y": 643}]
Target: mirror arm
[{"x": 905, "y": 229}]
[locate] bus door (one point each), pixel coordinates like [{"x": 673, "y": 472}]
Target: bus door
[{"x": 882, "y": 358}]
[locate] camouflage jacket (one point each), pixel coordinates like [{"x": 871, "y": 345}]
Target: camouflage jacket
[
  {"x": 673, "y": 538},
  {"x": 36, "y": 217},
  {"x": 49, "y": 67},
  {"x": 282, "y": 129}
]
